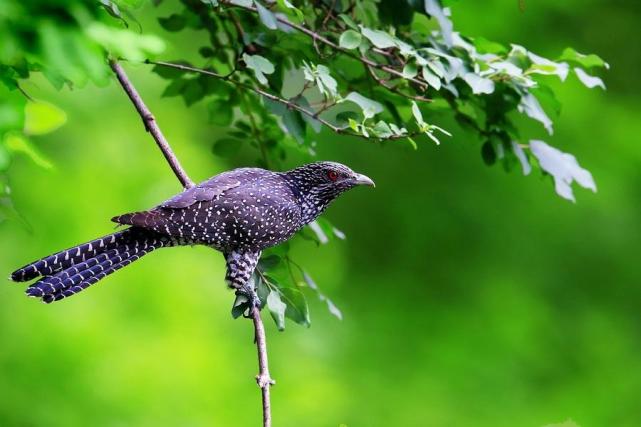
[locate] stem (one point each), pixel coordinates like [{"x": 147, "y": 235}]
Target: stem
[
  {"x": 263, "y": 379},
  {"x": 291, "y": 105},
  {"x": 151, "y": 126},
  {"x": 317, "y": 37}
]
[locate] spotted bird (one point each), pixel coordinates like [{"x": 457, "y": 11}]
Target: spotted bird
[{"x": 239, "y": 213}]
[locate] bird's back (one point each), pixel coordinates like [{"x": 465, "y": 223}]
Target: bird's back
[{"x": 246, "y": 208}]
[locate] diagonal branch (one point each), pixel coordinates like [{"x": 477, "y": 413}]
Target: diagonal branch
[
  {"x": 263, "y": 379},
  {"x": 150, "y": 124},
  {"x": 288, "y": 103},
  {"x": 317, "y": 37}
]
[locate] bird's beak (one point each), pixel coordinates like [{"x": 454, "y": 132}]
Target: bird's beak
[{"x": 364, "y": 180}]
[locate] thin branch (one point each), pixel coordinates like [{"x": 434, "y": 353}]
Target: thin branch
[
  {"x": 151, "y": 126},
  {"x": 317, "y": 37},
  {"x": 263, "y": 379},
  {"x": 393, "y": 89},
  {"x": 291, "y": 105}
]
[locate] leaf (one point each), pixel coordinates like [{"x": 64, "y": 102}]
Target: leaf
[
  {"x": 520, "y": 154},
  {"x": 297, "y": 308},
  {"x": 380, "y": 39},
  {"x": 370, "y": 107},
  {"x": 585, "y": 61},
  {"x": 479, "y": 85},
  {"x": 417, "y": 114},
  {"x": 350, "y": 39},
  {"x": 327, "y": 80},
  {"x": 588, "y": 80},
  {"x": 5, "y": 158},
  {"x": 19, "y": 144},
  {"x": 226, "y": 147},
  {"x": 320, "y": 234},
  {"x": 266, "y": 16},
  {"x": 431, "y": 78},
  {"x": 42, "y": 117},
  {"x": 488, "y": 153},
  {"x": 260, "y": 66},
  {"x": 563, "y": 167},
  {"x": 532, "y": 108},
  {"x": 333, "y": 309},
  {"x": 434, "y": 9},
  {"x": 173, "y": 22},
  {"x": 410, "y": 70},
  {"x": 277, "y": 309},
  {"x": 220, "y": 112}
]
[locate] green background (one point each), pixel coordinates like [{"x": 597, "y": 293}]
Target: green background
[{"x": 471, "y": 297}]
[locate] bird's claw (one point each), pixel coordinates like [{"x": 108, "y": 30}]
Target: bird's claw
[{"x": 252, "y": 297}]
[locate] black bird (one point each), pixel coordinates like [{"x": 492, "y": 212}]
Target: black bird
[{"x": 240, "y": 213}]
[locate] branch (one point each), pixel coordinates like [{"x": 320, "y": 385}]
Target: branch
[
  {"x": 263, "y": 378},
  {"x": 317, "y": 37},
  {"x": 151, "y": 126},
  {"x": 291, "y": 105}
]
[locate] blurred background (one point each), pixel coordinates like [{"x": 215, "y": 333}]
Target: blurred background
[{"x": 471, "y": 297}]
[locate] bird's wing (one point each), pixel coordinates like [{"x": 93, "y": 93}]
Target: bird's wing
[
  {"x": 203, "y": 192},
  {"x": 173, "y": 212}
]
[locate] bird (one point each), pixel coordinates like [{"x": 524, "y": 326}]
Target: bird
[{"x": 239, "y": 213}]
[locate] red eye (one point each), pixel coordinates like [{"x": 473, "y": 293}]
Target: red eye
[{"x": 332, "y": 175}]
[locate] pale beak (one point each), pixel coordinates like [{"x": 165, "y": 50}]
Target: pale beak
[{"x": 364, "y": 180}]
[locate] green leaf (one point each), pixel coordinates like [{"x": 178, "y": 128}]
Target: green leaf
[
  {"x": 417, "y": 114},
  {"x": 327, "y": 80},
  {"x": 585, "y": 61},
  {"x": 380, "y": 39},
  {"x": 350, "y": 39},
  {"x": 369, "y": 107},
  {"x": 410, "y": 70},
  {"x": 173, "y": 23},
  {"x": 479, "y": 85},
  {"x": 488, "y": 153},
  {"x": 42, "y": 117},
  {"x": 431, "y": 78},
  {"x": 277, "y": 309},
  {"x": 5, "y": 158},
  {"x": 260, "y": 66},
  {"x": 267, "y": 18},
  {"x": 226, "y": 147},
  {"x": 297, "y": 308},
  {"x": 348, "y": 21},
  {"x": 220, "y": 112},
  {"x": 19, "y": 144},
  {"x": 484, "y": 45}
]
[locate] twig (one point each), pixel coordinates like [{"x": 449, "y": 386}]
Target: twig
[
  {"x": 317, "y": 37},
  {"x": 150, "y": 125},
  {"x": 291, "y": 105},
  {"x": 263, "y": 379}
]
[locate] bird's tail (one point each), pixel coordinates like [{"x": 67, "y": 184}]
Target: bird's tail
[{"x": 70, "y": 271}]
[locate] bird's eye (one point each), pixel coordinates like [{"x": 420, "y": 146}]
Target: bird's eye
[{"x": 332, "y": 175}]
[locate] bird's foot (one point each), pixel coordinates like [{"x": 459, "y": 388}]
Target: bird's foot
[{"x": 250, "y": 293}]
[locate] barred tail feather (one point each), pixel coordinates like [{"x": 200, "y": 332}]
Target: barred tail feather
[
  {"x": 88, "y": 263},
  {"x": 61, "y": 260}
]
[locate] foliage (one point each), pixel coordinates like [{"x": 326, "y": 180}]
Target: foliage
[{"x": 275, "y": 75}]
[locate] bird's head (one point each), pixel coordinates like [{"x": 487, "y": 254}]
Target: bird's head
[{"x": 321, "y": 182}]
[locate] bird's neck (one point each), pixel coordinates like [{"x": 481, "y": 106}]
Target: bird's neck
[{"x": 311, "y": 201}]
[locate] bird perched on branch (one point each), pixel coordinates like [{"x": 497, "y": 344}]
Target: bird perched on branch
[{"x": 240, "y": 213}]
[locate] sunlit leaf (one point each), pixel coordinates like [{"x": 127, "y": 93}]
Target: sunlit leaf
[{"x": 42, "y": 117}]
